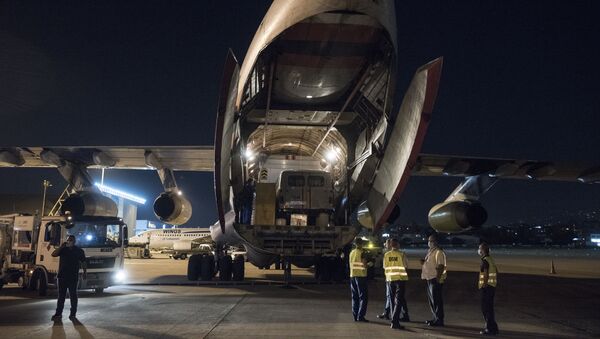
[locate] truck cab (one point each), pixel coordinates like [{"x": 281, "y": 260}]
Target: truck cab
[{"x": 28, "y": 258}]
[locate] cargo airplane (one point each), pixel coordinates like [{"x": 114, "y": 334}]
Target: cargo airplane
[{"x": 309, "y": 116}]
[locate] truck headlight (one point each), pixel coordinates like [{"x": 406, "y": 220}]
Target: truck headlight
[{"x": 120, "y": 276}]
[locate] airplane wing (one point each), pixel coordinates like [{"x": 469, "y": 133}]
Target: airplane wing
[
  {"x": 459, "y": 166},
  {"x": 177, "y": 158},
  {"x": 201, "y": 158}
]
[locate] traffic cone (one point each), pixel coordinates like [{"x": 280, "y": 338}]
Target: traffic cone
[{"x": 552, "y": 269}]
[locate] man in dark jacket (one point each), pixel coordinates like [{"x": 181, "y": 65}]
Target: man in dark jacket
[{"x": 71, "y": 257}]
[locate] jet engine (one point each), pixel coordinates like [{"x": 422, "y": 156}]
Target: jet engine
[
  {"x": 456, "y": 216},
  {"x": 89, "y": 204},
  {"x": 172, "y": 208}
]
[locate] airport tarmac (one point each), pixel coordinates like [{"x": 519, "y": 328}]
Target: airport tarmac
[{"x": 527, "y": 305}]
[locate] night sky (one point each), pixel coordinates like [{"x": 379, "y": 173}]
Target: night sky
[{"x": 520, "y": 80}]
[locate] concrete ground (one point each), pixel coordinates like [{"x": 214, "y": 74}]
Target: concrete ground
[{"x": 527, "y": 305}]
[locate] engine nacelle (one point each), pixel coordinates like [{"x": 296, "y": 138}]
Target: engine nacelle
[
  {"x": 456, "y": 216},
  {"x": 89, "y": 204},
  {"x": 172, "y": 208}
]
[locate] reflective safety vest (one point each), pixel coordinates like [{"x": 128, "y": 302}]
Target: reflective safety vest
[
  {"x": 492, "y": 273},
  {"x": 357, "y": 267},
  {"x": 393, "y": 263}
]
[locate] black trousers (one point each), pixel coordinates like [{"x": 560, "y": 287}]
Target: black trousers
[
  {"x": 360, "y": 296},
  {"x": 388, "y": 301},
  {"x": 436, "y": 302},
  {"x": 399, "y": 308},
  {"x": 487, "y": 308},
  {"x": 63, "y": 286}
]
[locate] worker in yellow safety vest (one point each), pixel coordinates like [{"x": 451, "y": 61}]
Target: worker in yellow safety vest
[
  {"x": 359, "y": 263},
  {"x": 394, "y": 264},
  {"x": 387, "y": 310},
  {"x": 488, "y": 280}
]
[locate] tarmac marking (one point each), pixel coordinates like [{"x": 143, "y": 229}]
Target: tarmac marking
[{"x": 224, "y": 316}]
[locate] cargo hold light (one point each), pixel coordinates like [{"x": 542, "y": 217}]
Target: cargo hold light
[
  {"x": 249, "y": 155},
  {"x": 121, "y": 194}
]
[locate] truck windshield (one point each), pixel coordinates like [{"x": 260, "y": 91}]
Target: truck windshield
[
  {"x": 296, "y": 181},
  {"x": 96, "y": 234}
]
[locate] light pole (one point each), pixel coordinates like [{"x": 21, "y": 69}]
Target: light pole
[{"x": 46, "y": 184}]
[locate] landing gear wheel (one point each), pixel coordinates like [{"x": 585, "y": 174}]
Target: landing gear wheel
[
  {"x": 338, "y": 272},
  {"x": 318, "y": 265},
  {"x": 238, "y": 268},
  {"x": 207, "y": 267},
  {"x": 325, "y": 275},
  {"x": 99, "y": 290},
  {"x": 225, "y": 268},
  {"x": 193, "y": 267}
]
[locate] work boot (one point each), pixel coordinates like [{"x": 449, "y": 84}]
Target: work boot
[
  {"x": 485, "y": 331},
  {"x": 56, "y": 317},
  {"x": 396, "y": 326},
  {"x": 72, "y": 317},
  {"x": 363, "y": 320},
  {"x": 383, "y": 316},
  {"x": 434, "y": 323}
]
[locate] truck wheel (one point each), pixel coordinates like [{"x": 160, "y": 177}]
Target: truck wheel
[
  {"x": 225, "y": 266},
  {"x": 42, "y": 284},
  {"x": 32, "y": 284},
  {"x": 207, "y": 267},
  {"x": 183, "y": 256},
  {"x": 22, "y": 282},
  {"x": 99, "y": 290},
  {"x": 238, "y": 268},
  {"x": 193, "y": 267},
  {"x": 175, "y": 256}
]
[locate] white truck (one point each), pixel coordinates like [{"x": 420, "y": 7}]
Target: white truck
[{"x": 26, "y": 260}]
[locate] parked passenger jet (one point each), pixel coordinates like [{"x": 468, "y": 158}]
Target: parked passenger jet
[
  {"x": 309, "y": 110},
  {"x": 178, "y": 239}
]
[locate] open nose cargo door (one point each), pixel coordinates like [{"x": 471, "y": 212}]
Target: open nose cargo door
[
  {"x": 404, "y": 144},
  {"x": 227, "y": 148}
]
